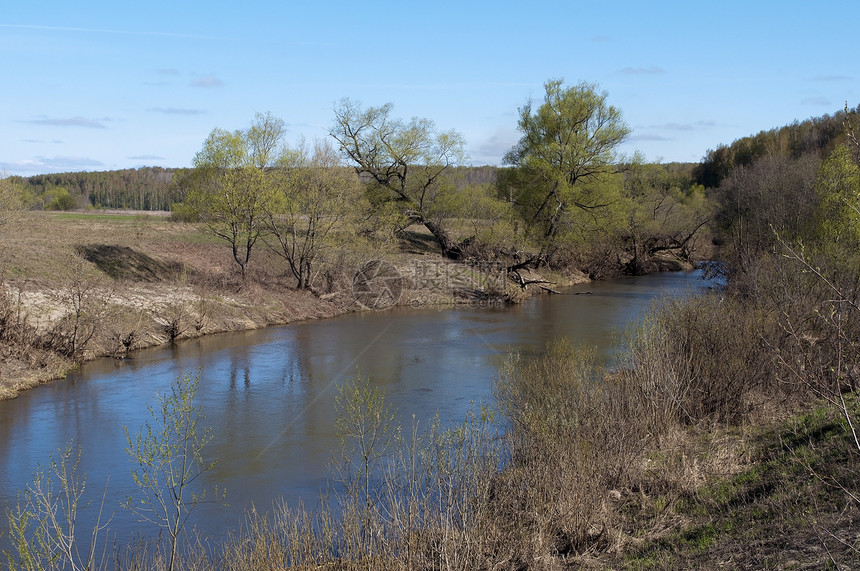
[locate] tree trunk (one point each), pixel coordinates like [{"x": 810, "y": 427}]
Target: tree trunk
[{"x": 450, "y": 249}]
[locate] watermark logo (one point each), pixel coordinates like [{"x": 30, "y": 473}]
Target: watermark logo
[
  {"x": 377, "y": 285},
  {"x": 442, "y": 277}
]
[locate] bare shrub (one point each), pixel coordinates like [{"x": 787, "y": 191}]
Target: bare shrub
[
  {"x": 574, "y": 436},
  {"x": 84, "y": 297},
  {"x": 42, "y": 524},
  {"x": 15, "y": 328},
  {"x": 432, "y": 492},
  {"x": 660, "y": 375},
  {"x": 724, "y": 341}
]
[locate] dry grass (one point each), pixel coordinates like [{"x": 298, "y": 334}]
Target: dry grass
[
  {"x": 101, "y": 284},
  {"x": 83, "y": 285}
]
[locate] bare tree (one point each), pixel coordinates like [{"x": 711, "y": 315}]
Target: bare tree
[
  {"x": 316, "y": 198},
  {"x": 405, "y": 163}
]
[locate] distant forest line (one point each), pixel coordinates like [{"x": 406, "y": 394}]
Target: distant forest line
[
  {"x": 152, "y": 188},
  {"x": 145, "y": 188}
]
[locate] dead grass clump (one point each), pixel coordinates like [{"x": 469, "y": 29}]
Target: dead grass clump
[
  {"x": 575, "y": 435},
  {"x": 721, "y": 341}
]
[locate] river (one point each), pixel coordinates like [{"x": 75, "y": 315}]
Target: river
[{"x": 268, "y": 395}]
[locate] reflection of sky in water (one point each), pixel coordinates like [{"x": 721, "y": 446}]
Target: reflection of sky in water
[{"x": 268, "y": 395}]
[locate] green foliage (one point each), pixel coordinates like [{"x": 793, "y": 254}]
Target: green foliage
[
  {"x": 42, "y": 524},
  {"x": 230, "y": 187},
  {"x": 181, "y": 212},
  {"x": 59, "y": 199},
  {"x": 366, "y": 433},
  {"x": 365, "y": 430},
  {"x": 490, "y": 223},
  {"x": 169, "y": 464},
  {"x": 837, "y": 188},
  {"x": 666, "y": 210},
  {"x": 317, "y": 206},
  {"x": 12, "y": 198},
  {"x": 565, "y": 164},
  {"x": 403, "y": 162}
]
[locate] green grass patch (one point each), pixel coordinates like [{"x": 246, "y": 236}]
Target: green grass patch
[
  {"x": 106, "y": 217},
  {"x": 796, "y": 480}
]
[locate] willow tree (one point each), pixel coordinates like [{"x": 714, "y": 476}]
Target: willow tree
[
  {"x": 405, "y": 164},
  {"x": 230, "y": 188},
  {"x": 316, "y": 200},
  {"x": 564, "y": 163}
]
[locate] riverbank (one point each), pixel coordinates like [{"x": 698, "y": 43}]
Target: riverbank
[{"x": 80, "y": 286}]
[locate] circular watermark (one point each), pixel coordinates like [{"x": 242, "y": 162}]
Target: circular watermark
[{"x": 377, "y": 285}]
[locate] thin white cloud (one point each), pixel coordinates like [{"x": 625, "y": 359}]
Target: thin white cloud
[
  {"x": 652, "y": 70},
  {"x": 822, "y": 77},
  {"x": 648, "y": 137},
  {"x": 176, "y": 111},
  {"x": 695, "y": 126},
  {"x": 69, "y": 122},
  {"x": 146, "y": 158},
  {"x": 494, "y": 147},
  {"x": 103, "y": 31},
  {"x": 206, "y": 82},
  {"x": 822, "y": 101},
  {"x": 51, "y": 164}
]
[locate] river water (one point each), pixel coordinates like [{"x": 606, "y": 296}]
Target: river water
[{"x": 268, "y": 395}]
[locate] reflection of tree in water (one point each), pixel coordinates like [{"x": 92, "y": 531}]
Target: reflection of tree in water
[{"x": 240, "y": 367}]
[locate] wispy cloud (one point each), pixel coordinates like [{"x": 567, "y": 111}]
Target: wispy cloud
[
  {"x": 42, "y": 165},
  {"x": 104, "y": 31},
  {"x": 694, "y": 126},
  {"x": 207, "y": 82},
  {"x": 599, "y": 39},
  {"x": 69, "y": 122},
  {"x": 822, "y": 77},
  {"x": 146, "y": 158},
  {"x": 494, "y": 147},
  {"x": 821, "y": 101},
  {"x": 648, "y": 137},
  {"x": 176, "y": 111},
  {"x": 652, "y": 70}
]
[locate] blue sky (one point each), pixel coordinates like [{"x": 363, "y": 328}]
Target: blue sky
[{"x": 93, "y": 86}]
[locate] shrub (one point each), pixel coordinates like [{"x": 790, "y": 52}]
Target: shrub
[
  {"x": 181, "y": 212},
  {"x": 574, "y": 435}
]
